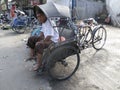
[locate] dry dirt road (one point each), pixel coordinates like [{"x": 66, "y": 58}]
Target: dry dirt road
[{"x": 98, "y": 70}]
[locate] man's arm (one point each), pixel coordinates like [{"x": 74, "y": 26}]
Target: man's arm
[
  {"x": 45, "y": 40},
  {"x": 41, "y": 35}
]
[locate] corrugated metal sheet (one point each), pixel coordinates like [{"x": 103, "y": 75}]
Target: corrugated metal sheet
[
  {"x": 87, "y": 9},
  {"x": 62, "y": 2}
]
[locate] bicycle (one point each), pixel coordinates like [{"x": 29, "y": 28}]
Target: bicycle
[
  {"x": 21, "y": 23},
  {"x": 92, "y": 35}
]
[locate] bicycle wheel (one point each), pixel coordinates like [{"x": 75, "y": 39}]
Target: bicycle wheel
[
  {"x": 13, "y": 28},
  {"x": 19, "y": 29},
  {"x": 63, "y": 63},
  {"x": 99, "y": 37}
]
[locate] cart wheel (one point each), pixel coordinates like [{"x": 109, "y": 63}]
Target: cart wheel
[
  {"x": 99, "y": 37},
  {"x": 62, "y": 69}
]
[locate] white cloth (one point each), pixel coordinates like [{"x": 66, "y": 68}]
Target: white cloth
[
  {"x": 113, "y": 7},
  {"x": 48, "y": 30}
]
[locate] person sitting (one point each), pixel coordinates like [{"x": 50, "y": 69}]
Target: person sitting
[
  {"x": 108, "y": 19},
  {"x": 47, "y": 36}
]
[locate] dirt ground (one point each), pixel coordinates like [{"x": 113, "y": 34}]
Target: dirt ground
[{"x": 98, "y": 70}]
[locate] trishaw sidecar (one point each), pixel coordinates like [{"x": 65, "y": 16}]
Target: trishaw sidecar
[{"x": 61, "y": 59}]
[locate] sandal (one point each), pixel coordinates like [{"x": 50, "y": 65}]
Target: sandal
[
  {"x": 37, "y": 68},
  {"x": 29, "y": 59}
]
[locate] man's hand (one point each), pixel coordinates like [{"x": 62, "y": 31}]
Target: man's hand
[{"x": 47, "y": 39}]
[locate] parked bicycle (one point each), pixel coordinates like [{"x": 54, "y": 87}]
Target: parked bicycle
[
  {"x": 92, "y": 34},
  {"x": 21, "y": 23}
]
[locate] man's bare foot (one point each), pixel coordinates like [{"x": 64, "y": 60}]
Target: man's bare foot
[{"x": 36, "y": 67}]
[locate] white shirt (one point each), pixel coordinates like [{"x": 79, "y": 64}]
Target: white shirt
[{"x": 48, "y": 30}]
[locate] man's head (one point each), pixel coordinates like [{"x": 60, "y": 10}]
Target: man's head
[{"x": 40, "y": 15}]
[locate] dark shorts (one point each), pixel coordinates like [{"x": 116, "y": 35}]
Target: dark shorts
[{"x": 36, "y": 43}]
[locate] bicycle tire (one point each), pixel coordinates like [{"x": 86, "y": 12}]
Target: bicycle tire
[
  {"x": 99, "y": 37},
  {"x": 19, "y": 30},
  {"x": 53, "y": 61}
]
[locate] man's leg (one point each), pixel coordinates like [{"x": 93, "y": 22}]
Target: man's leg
[
  {"x": 31, "y": 43},
  {"x": 39, "y": 62},
  {"x": 39, "y": 48},
  {"x": 31, "y": 55}
]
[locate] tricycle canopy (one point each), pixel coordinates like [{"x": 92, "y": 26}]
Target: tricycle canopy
[{"x": 54, "y": 10}]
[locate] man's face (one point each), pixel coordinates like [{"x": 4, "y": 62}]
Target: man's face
[{"x": 41, "y": 17}]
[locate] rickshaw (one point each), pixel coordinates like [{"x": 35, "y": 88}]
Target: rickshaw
[{"x": 61, "y": 60}]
